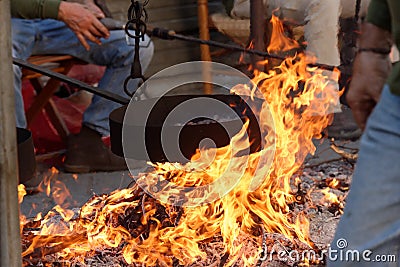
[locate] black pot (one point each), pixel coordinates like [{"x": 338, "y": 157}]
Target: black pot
[
  {"x": 190, "y": 134},
  {"x": 26, "y": 155}
]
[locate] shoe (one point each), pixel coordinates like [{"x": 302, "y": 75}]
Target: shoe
[
  {"x": 344, "y": 126},
  {"x": 32, "y": 186},
  {"x": 86, "y": 152}
]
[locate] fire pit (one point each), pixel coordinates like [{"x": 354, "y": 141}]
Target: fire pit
[
  {"x": 244, "y": 225},
  {"x": 310, "y": 194}
]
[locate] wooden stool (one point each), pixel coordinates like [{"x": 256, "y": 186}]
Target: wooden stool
[
  {"x": 235, "y": 29},
  {"x": 62, "y": 64}
]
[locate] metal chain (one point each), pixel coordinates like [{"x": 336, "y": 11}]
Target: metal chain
[{"x": 137, "y": 19}]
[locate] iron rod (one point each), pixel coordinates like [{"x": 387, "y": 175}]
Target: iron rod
[
  {"x": 170, "y": 35},
  {"x": 241, "y": 49},
  {"x": 167, "y": 34},
  {"x": 70, "y": 81}
]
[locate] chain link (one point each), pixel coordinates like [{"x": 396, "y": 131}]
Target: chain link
[{"x": 137, "y": 19}]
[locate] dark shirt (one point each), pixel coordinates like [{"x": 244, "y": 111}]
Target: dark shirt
[{"x": 35, "y": 9}]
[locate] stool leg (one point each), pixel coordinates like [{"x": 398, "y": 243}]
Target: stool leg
[
  {"x": 44, "y": 101},
  {"x": 56, "y": 120},
  {"x": 45, "y": 93},
  {"x": 41, "y": 100}
]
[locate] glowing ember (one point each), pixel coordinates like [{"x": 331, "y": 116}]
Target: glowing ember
[
  {"x": 334, "y": 203},
  {"x": 148, "y": 232}
]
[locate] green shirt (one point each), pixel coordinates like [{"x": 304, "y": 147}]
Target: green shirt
[
  {"x": 386, "y": 14},
  {"x": 31, "y": 9}
]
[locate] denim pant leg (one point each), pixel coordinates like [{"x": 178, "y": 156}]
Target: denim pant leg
[
  {"x": 54, "y": 37},
  {"x": 96, "y": 116},
  {"x": 23, "y": 35},
  {"x": 371, "y": 219}
]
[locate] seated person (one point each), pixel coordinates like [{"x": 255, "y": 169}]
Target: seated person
[{"x": 64, "y": 27}]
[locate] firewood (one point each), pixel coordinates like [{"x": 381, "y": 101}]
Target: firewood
[{"x": 343, "y": 153}]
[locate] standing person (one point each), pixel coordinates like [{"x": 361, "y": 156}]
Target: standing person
[
  {"x": 320, "y": 20},
  {"x": 63, "y": 27},
  {"x": 370, "y": 225}
]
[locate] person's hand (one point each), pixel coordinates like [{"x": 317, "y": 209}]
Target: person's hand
[
  {"x": 91, "y": 5},
  {"x": 84, "y": 22},
  {"x": 94, "y": 9},
  {"x": 370, "y": 71}
]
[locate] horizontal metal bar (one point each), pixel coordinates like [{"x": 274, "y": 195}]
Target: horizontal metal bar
[
  {"x": 172, "y": 35},
  {"x": 73, "y": 82},
  {"x": 167, "y": 34}
]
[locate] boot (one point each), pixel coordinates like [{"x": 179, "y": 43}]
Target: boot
[
  {"x": 344, "y": 126},
  {"x": 86, "y": 152},
  {"x": 32, "y": 185}
]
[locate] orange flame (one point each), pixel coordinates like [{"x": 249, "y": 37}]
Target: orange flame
[
  {"x": 279, "y": 41},
  {"x": 334, "y": 183},
  {"x": 296, "y": 99},
  {"x": 329, "y": 196},
  {"x": 21, "y": 194},
  {"x": 332, "y": 199}
]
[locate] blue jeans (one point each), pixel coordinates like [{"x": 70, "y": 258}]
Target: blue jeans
[
  {"x": 48, "y": 36},
  {"x": 371, "y": 220}
]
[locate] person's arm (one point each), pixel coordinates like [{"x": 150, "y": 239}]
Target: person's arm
[
  {"x": 91, "y": 5},
  {"x": 35, "y": 9},
  {"x": 372, "y": 64},
  {"x": 83, "y": 22},
  {"x": 81, "y": 19}
]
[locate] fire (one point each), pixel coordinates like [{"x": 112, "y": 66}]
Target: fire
[
  {"x": 279, "y": 42},
  {"x": 334, "y": 202},
  {"x": 330, "y": 197},
  {"x": 21, "y": 194},
  {"x": 151, "y": 232},
  {"x": 334, "y": 183}
]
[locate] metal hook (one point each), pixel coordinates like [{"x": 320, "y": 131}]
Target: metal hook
[
  {"x": 126, "y": 82},
  {"x": 142, "y": 28}
]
